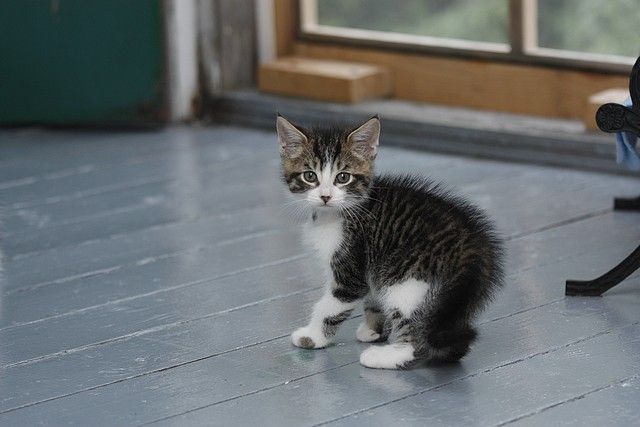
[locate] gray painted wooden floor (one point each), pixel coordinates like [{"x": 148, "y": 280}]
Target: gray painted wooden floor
[{"x": 152, "y": 277}]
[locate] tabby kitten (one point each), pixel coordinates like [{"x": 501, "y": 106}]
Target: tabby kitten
[{"x": 423, "y": 261}]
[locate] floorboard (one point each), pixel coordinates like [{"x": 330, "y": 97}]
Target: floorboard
[
  {"x": 154, "y": 277},
  {"x": 265, "y": 376},
  {"x": 610, "y": 404},
  {"x": 502, "y": 394}
]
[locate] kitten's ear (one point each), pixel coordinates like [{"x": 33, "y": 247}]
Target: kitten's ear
[
  {"x": 291, "y": 139},
  {"x": 364, "y": 140}
]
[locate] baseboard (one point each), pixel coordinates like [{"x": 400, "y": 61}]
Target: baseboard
[{"x": 464, "y": 132}]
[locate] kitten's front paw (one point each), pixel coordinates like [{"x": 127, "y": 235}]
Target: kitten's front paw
[
  {"x": 307, "y": 337},
  {"x": 366, "y": 334}
]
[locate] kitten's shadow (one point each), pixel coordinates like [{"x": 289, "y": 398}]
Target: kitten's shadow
[
  {"x": 430, "y": 393},
  {"x": 422, "y": 375}
]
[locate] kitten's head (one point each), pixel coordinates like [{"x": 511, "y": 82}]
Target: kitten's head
[{"x": 328, "y": 168}]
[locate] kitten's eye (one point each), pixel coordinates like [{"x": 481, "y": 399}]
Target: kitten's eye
[
  {"x": 309, "y": 177},
  {"x": 343, "y": 178}
]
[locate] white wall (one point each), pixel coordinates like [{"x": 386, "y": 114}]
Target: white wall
[
  {"x": 265, "y": 31},
  {"x": 182, "y": 57}
]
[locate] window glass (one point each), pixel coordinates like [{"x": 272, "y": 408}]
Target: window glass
[
  {"x": 592, "y": 26},
  {"x": 473, "y": 20}
]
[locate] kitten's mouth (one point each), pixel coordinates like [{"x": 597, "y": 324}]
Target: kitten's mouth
[{"x": 328, "y": 206}]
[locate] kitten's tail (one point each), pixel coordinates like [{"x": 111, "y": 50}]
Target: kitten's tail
[{"x": 450, "y": 345}]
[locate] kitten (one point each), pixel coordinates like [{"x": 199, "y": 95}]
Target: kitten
[{"x": 423, "y": 261}]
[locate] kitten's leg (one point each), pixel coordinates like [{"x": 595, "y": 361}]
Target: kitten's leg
[
  {"x": 372, "y": 329},
  {"x": 328, "y": 313},
  {"x": 401, "y": 301},
  {"x": 400, "y": 353}
]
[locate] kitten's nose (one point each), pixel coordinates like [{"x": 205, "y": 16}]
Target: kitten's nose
[{"x": 325, "y": 199}]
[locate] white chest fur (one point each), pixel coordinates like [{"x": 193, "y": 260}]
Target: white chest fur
[{"x": 324, "y": 236}]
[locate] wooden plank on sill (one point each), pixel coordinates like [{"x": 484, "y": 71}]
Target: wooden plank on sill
[
  {"x": 594, "y": 102},
  {"x": 324, "y": 80}
]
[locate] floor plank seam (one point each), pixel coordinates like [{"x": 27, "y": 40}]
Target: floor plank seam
[
  {"x": 114, "y": 187},
  {"x": 556, "y": 348},
  {"x": 88, "y": 168},
  {"x": 137, "y": 160},
  {"x": 124, "y": 209},
  {"x": 524, "y": 310},
  {"x": 128, "y": 208},
  {"x": 462, "y": 186},
  {"x": 309, "y": 375},
  {"x": 560, "y": 224},
  {"x": 159, "y": 226},
  {"x": 147, "y": 260},
  {"x": 395, "y": 400},
  {"x": 80, "y": 170},
  {"x": 265, "y": 389},
  {"x": 178, "y": 220},
  {"x": 163, "y": 369},
  {"x": 223, "y": 215},
  {"x": 159, "y": 291},
  {"x": 226, "y": 311},
  {"x": 107, "y": 212},
  {"x": 6, "y": 185},
  {"x": 163, "y": 290},
  {"x": 63, "y": 173},
  {"x": 28, "y": 231},
  {"x": 572, "y": 399},
  {"x": 76, "y": 170},
  {"x": 83, "y": 194},
  {"x": 213, "y": 279},
  {"x": 480, "y": 372},
  {"x": 184, "y": 285},
  {"x": 198, "y": 248},
  {"x": 134, "y": 290},
  {"x": 147, "y": 331},
  {"x": 142, "y": 374},
  {"x": 66, "y": 279},
  {"x": 181, "y": 286}
]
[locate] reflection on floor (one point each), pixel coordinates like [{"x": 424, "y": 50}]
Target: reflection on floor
[{"x": 152, "y": 276}]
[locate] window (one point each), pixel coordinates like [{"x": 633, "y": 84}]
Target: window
[
  {"x": 591, "y": 27},
  {"x": 534, "y": 57},
  {"x": 584, "y": 33},
  {"x": 430, "y": 22}
]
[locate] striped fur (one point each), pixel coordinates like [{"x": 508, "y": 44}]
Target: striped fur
[{"x": 424, "y": 261}]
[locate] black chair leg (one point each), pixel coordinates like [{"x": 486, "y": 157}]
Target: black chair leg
[
  {"x": 598, "y": 286},
  {"x": 626, "y": 204},
  {"x": 613, "y": 118}
]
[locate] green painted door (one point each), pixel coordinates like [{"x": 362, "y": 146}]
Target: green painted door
[{"x": 68, "y": 62}]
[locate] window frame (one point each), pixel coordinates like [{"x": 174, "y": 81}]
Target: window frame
[{"x": 522, "y": 47}]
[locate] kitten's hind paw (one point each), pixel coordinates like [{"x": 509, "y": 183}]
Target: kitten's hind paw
[
  {"x": 366, "y": 334},
  {"x": 307, "y": 337},
  {"x": 390, "y": 356}
]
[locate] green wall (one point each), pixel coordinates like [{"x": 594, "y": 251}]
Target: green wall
[{"x": 81, "y": 61}]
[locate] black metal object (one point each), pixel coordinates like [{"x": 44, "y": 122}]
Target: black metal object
[
  {"x": 626, "y": 203},
  {"x": 597, "y": 286},
  {"x": 616, "y": 118}
]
